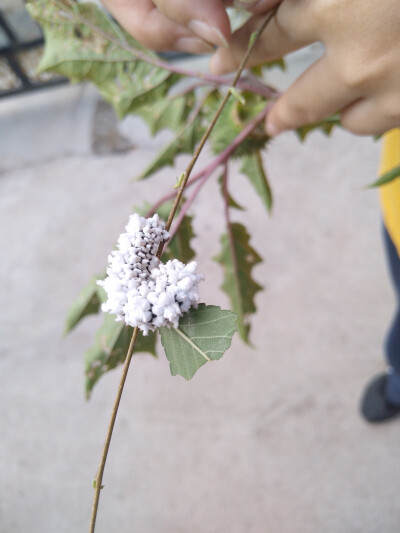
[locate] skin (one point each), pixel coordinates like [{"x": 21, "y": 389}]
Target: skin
[{"x": 358, "y": 75}]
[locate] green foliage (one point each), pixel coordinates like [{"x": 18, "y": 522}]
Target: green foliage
[
  {"x": 179, "y": 247},
  {"x": 191, "y": 129},
  {"x": 279, "y": 63},
  {"x": 252, "y": 167},
  {"x": 231, "y": 201},
  {"x": 169, "y": 113},
  {"x": 82, "y": 43},
  {"x": 88, "y": 302},
  {"x": 388, "y": 177},
  {"x": 110, "y": 348},
  {"x": 184, "y": 143},
  {"x": 204, "y": 334},
  {"x": 326, "y": 126},
  {"x": 238, "y": 258},
  {"x": 232, "y": 121}
]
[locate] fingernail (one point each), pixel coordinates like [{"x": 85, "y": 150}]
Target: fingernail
[
  {"x": 193, "y": 45},
  {"x": 272, "y": 129},
  {"x": 207, "y": 32}
]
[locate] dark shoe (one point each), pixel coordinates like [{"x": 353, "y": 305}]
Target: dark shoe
[{"x": 374, "y": 406}]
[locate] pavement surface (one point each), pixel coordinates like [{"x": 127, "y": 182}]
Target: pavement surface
[{"x": 269, "y": 438}]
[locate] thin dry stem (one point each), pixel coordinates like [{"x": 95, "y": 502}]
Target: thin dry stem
[{"x": 99, "y": 476}]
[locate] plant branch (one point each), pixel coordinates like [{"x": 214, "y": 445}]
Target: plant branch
[
  {"x": 247, "y": 84},
  {"x": 210, "y": 127},
  {"x": 99, "y": 475},
  {"x": 171, "y": 194}
]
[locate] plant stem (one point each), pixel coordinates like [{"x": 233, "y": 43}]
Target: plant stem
[
  {"x": 171, "y": 194},
  {"x": 204, "y": 175},
  {"x": 233, "y": 146},
  {"x": 214, "y": 121},
  {"x": 245, "y": 85},
  {"x": 99, "y": 476}
]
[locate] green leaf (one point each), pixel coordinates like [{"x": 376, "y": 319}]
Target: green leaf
[
  {"x": 74, "y": 48},
  {"x": 388, "y": 177},
  {"x": 232, "y": 121},
  {"x": 280, "y": 63},
  {"x": 231, "y": 201},
  {"x": 238, "y": 258},
  {"x": 204, "y": 334},
  {"x": 167, "y": 113},
  {"x": 184, "y": 143},
  {"x": 326, "y": 126},
  {"x": 252, "y": 167},
  {"x": 110, "y": 348},
  {"x": 179, "y": 247},
  {"x": 88, "y": 302}
]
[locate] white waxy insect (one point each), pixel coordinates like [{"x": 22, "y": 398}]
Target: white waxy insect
[{"x": 142, "y": 291}]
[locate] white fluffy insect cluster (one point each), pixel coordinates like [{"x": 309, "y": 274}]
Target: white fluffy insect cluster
[{"x": 140, "y": 289}]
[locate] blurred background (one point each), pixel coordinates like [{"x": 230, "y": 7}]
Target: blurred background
[{"x": 269, "y": 438}]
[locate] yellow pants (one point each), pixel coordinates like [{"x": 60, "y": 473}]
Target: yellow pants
[{"x": 390, "y": 193}]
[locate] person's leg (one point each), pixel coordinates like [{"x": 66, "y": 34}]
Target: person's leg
[
  {"x": 381, "y": 398},
  {"x": 392, "y": 344}
]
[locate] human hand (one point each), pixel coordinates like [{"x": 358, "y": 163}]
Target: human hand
[
  {"x": 358, "y": 75},
  {"x": 186, "y": 25}
]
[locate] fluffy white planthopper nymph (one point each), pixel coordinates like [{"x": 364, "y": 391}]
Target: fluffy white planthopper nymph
[{"x": 141, "y": 290}]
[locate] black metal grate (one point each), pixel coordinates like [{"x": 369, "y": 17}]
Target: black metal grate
[{"x": 19, "y": 56}]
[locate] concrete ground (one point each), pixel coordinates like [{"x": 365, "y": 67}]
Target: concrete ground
[{"x": 267, "y": 440}]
